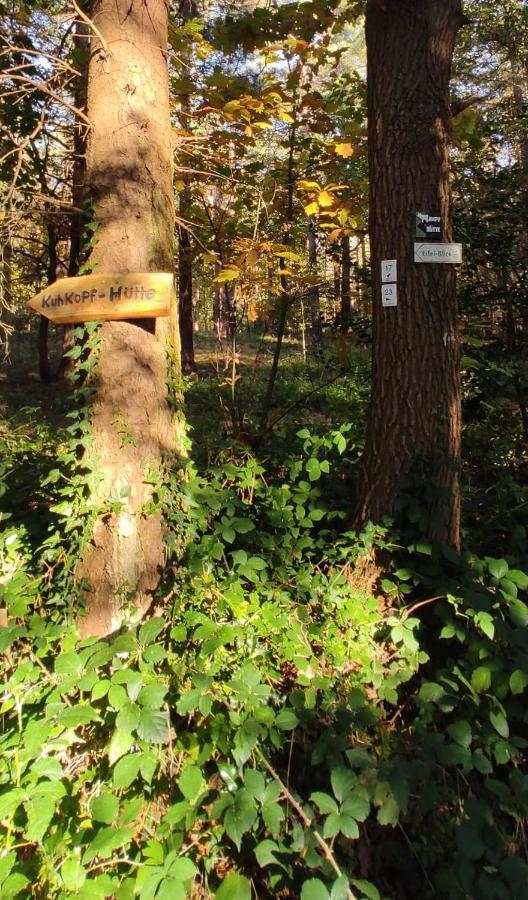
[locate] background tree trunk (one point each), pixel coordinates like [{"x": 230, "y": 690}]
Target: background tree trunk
[
  {"x": 129, "y": 176},
  {"x": 185, "y": 284},
  {"x": 415, "y": 406},
  {"x": 313, "y": 293},
  {"x": 346, "y": 304}
]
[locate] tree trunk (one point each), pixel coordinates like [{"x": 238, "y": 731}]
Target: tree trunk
[
  {"x": 313, "y": 293},
  {"x": 129, "y": 177},
  {"x": 187, "y": 12},
  {"x": 414, "y": 417},
  {"x": 346, "y": 305},
  {"x": 185, "y": 283}
]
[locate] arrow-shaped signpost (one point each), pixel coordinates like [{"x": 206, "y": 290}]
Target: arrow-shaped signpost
[
  {"x": 438, "y": 253},
  {"x": 103, "y": 297}
]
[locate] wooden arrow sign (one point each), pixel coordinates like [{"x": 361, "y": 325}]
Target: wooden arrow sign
[{"x": 92, "y": 297}]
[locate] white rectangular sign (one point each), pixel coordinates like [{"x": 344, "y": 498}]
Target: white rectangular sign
[
  {"x": 438, "y": 253},
  {"x": 389, "y": 270},
  {"x": 389, "y": 295}
]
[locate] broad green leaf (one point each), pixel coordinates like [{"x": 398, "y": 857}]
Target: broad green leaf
[
  {"x": 150, "y": 630},
  {"x": 461, "y": 733},
  {"x": 182, "y": 869},
  {"x": 240, "y": 816},
  {"x": 314, "y": 889},
  {"x": 273, "y": 816},
  {"x": 430, "y": 692},
  {"x": 343, "y": 781},
  {"x": 120, "y": 744},
  {"x": 367, "y": 889},
  {"x": 73, "y": 875},
  {"x": 104, "y": 808},
  {"x": 498, "y": 567},
  {"x": 106, "y": 841},
  {"x": 40, "y": 812},
  {"x": 153, "y": 725},
  {"x": 481, "y": 679},
  {"x": 357, "y": 804},
  {"x": 191, "y": 783},
  {"x": 126, "y": 770},
  {"x": 340, "y": 889},
  {"x": 324, "y": 802},
  {"x": 518, "y": 681},
  {"x": 286, "y": 720},
  {"x": 500, "y": 723},
  {"x": 75, "y": 716},
  {"x": 254, "y": 781},
  {"x": 234, "y": 887}
]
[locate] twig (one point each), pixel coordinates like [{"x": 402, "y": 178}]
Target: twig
[
  {"x": 326, "y": 849},
  {"x": 87, "y": 21},
  {"x": 408, "y": 611}
]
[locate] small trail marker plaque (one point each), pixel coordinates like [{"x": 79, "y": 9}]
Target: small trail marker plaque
[
  {"x": 90, "y": 297},
  {"x": 438, "y": 253},
  {"x": 389, "y": 295},
  {"x": 389, "y": 270}
]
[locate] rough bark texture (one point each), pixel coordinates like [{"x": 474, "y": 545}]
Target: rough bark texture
[
  {"x": 129, "y": 177},
  {"x": 415, "y": 405}
]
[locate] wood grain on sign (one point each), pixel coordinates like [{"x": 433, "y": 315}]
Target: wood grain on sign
[{"x": 90, "y": 297}]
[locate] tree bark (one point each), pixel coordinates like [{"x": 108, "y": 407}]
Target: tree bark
[
  {"x": 129, "y": 178},
  {"x": 313, "y": 293},
  {"x": 346, "y": 304},
  {"x": 185, "y": 284},
  {"x": 187, "y": 11},
  {"x": 415, "y": 417}
]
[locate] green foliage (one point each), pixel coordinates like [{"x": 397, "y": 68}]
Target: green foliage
[{"x": 276, "y": 703}]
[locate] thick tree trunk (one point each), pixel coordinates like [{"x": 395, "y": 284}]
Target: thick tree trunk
[
  {"x": 129, "y": 177},
  {"x": 415, "y": 414}
]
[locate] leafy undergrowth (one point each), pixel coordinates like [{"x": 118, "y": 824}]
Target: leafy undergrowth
[{"x": 288, "y": 723}]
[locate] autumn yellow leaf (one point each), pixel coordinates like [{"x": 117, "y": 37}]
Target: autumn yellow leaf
[
  {"x": 311, "y": 208},
  {"x": 344, "y": 150},
  {"x": 325, "y": 199}
]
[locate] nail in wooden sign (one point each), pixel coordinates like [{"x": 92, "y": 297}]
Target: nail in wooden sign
[{"x": 91, "y": 297}]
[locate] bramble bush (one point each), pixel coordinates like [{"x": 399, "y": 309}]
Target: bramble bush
[{"x": 284, "y": 725}]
